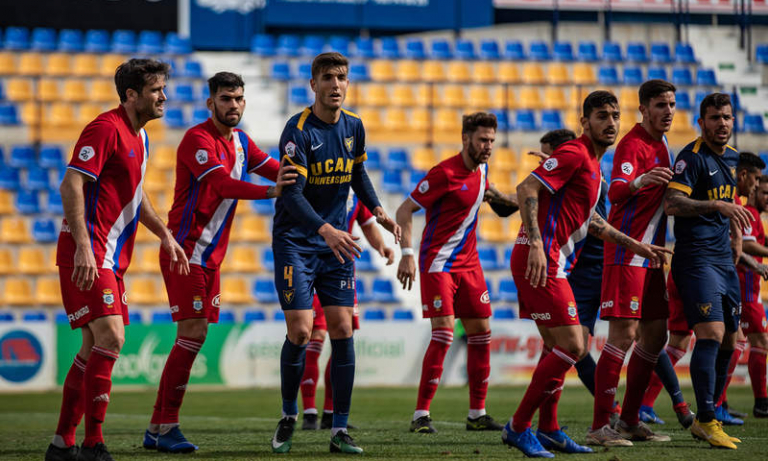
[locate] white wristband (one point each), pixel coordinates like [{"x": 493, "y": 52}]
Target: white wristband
[
  {"x": 636, "y": 183},
  {"x": 407, "y": 252}
]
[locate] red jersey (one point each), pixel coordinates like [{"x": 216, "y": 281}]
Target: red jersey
[
  {"x": 200, "y": 219},
  {"x": 572, "y": 179},
  {"x": 356, "y": 211},
  {"x": 451, "y": 194},
  {"x": 749, "y": 280},
  {"x": 111, "y": 153},
  {"x": 639, "y": 215}
]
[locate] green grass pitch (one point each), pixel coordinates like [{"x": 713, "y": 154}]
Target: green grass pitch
[{"x": 238, "y": 425}]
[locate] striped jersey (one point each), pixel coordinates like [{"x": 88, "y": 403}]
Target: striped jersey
[
  {"x": 451, "y": 194},
  {"x": 200, "y": 219},
  {"x": 571, "y": 179},
  {"x": 641, "y": 215},
  {"x": 748, "y": 279},
  {"x": 357, "y": 212},
  {"x": 115, "y": 157}
]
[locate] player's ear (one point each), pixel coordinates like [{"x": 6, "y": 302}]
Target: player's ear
[
  {"x": 209, "y": 104},
  {"x": 312, "y": 85},
  {"x": 131, "y": 94}
]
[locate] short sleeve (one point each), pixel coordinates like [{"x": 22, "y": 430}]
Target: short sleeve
[
  {"x": 261, "y": 163},
  {"x": 364, "y": 215},
  {"x": 197, "y": 152},
  {"x": 685, "y": 172},
  {"x": 429, "y": 190},
  {"x": 360, "y": 153},
  {"x": 293, "y": 147},
  {"x": 95, "y": 146},
  {"x": 625, "y": 163},
  {"x": 558, "y": 169}
]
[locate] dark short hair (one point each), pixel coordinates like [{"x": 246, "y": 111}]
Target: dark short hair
[
  {"x": 598, "y": 99},
  {"x": 471, "y": 122},
  {"x": 224, "y": 80},
  {"x": 134, "y": 74},
  {"x": 763, "y": 178},
  {"x": 653, "y": 88},
  {"x": 716, "y": 100},
  {"x": 750, "y": 162},
  {"x": 326, "y": 61},
  {"x": 556, "y": 137}
]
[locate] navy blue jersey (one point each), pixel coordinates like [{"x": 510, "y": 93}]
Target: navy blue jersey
[
  {"x": 592, "y": 252},
  {"x": 324, "y": 154},
  {"x": 704, "y": 175}
]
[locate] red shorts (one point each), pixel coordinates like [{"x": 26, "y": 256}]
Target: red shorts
[
  {"x": 753, "y": 318},
  {"x": 631, "y": 292},
  {"x": 106, "y": 297},
  {"x": 677, "y": 323},
  {"x": 550, "y": 306},
  {"x": 461, "y": 294},
  {"x": 193, "y": 296},
  {"x": 318, "y": 315}
]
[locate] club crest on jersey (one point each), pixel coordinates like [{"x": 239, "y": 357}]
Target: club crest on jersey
[
  {"x": 288, "y": 295},
  {"x": 108, "y": 297},
  {"x": 627, "y": 168},
  {"x": 437, "y": 302},
  {"x": 216, "y": 301},
  {"x": 572, "y": 312},
  {"x": 201, "y": 156},
  {"x": 733, "y": 172},
  {"x": 290, "y": 149},
  {"x": 634, "y": 304},
  {"x": 349, "y": 143},
  {"x": 550, "y": 164},
  {"x": 485, "y": 298},
  {"x": 197, "y": 303},
  {"x": 680, "y": 166},
  {"x": 424, "y": 186},
  {"x": 86, "y": 153},
  {"x": 240, "y": 157},
  {"x": 704, "y": 309}
]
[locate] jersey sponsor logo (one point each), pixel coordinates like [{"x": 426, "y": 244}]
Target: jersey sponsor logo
[
  {"x": 201, "y": 156},
  {"x": 704, "y": 309},
  {"x": 78, "y": 314},
  {"x": 712, "y": 173},
  {"x": 174, "y": 309},
  {"x": 606, "y": 305},
  {"x": 323, "y": 172},
  {"x": 572, "y": 312},
  {"x": 290, "y": 149},
  {"x": 634, "y": 304},
  {"x": 216, "y": 301},
  {"x": 550, "y": 164},
  {"x": 424, "y": 186},
  {"x": 545, "y": 316},
  {"x": 627, "y": 168},
  {"x": 197, "y": 303},
  {"x": 349, "y": 143},
  {"x": 347, "y": 284},
  {"x": 21, "y": 356},
  {"x": 288, "y": 295},
  {"x": 315, "y": 147},
  {"x": 722, "y": 192},
  {"x": 125, "y": 298},
  {"x": 680, "y": 166},
  {"x": 108, "y": 297},
  {"x": 86, "y": 153},
  {"x": 485, "y": 298},
  {"x": 437, "y": 302}
]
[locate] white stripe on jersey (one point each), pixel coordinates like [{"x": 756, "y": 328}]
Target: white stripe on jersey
[
  {"x": 447, "y": 250},
  {"x": 577, "y": 236},
  {"x": 650, "y": 232},
  {"x": 129, "y": 211},
  {"x": 219, "y": 216}
]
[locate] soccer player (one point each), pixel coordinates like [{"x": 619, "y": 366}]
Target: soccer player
[
  {"x": 568, "y": 187},
  {"x": 633, "y": 291},
  {"x": 356, "y": 212},
  {"x": 103, "y": 204},
  {"x": 452, "y": 281},
  {"x": 312, "y": 246},
  {"x": 212, "y": 166},
  {"x": 701, "y": 196}
]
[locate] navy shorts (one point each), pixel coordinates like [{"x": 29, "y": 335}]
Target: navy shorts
[
  {"x": 709, "y": 294},
  {"x": 298, "y": 276},
  {"x": 586, "y": 283}
]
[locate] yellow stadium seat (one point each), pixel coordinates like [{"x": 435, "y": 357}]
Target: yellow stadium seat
[
  {"x": 421, "y": 120},
  {"x": 453, "y": 96},
  {"x": 533, "y": 73},
  {"x": 577, "y": 96},
  {"x": 508, "y": 72},
  {"x": 32, "y": 260},
  {"x": 572, "y": 121},
  {"x": 480, "y": 98},
  {"x": 14, "y": 229},
  {"x": 48, "y": 291},
  {"x": 17, "y": 291},
  {"x": 236, "y": 290},
  {"x": 155, "y": 180},
  {"x": 682, "y": 131},
  {"x": 505, "y": 181},
  {"x": 242, "y": 258},
  {"x": 458, "y": 71},
  {"x": 448, "y": 152},
  {"x": 252, "y": 229},
  {"x": 7, "y": 264},
  {"x": 492, "y": 230},
  {"x": 7, "y": 62},
  {"x": 584, "y": 74},
  {"x": 30, "y": 64},
  {"x": 88, "y": 112},
  {"x": 628, "y": 120},
  {"x": 433, "y": 71},
  {"x": 554, "y": 98},
  {"x": 143, "y": 235},
  {"x": 503, "y": 158},
  {"x": 629, "y": 99},
  {"x": 427, "y": 95},
  {"x": 109, "y": 64},
  {"x": 353, "y": 96},
  {"x": 402, "y": 96},
  {"x": 163, "y": 157},
  {"x": 557, "y": 74},
  {"x": 395, "y": 120},
  {"x": 448, "y": 120},
  {"x": 483, "y": 72},
  {"x": 375, "y": 95},
  {"x": 6, "y": 202},
  {"x": 382, "y": 71},
  {"x": 103, "y": 91},
  {"x": 510, "y": 99},
  {"x": 19, "y": 89},
  {"x": 423, "y": 158},
  {"x": 147, "y": 259},
  {"x": 74, "y": 91},
  {"x": 513, "y": 227},
  {"x": 58, "y": 64},
  {"x": 85, "y": 65},
  {"x": 48, "y": 90},
  {"x": 371, "y": 118},
  {"x": 59, "y": 114},
  {"x": 530, "y": 98},
  {"x": 31, "y": 113},
  {"x": 408, "y": 71},
  {"x": 146, "y": 290}
]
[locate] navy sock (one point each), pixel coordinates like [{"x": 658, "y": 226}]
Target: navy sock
[
  {"x": 342, "y": 378},
  {"x": 666, "y": 373},
  {"x": 703, "y": 376},
  {"x": 586, "y": 370},
  {"x": 291, "y": 371},
  {"x": 721, "y": 368}
]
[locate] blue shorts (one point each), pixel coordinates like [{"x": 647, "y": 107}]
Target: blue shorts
[
  {"x": 298, "y": 276},
  {"x": 586, "y": 283},
  {"x": 709, "y": 294}
]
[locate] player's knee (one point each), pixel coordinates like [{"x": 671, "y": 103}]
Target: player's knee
[
  {"x": 342, "y": 331},
  {"x": 575, "y": 348},
  {"x": 111, "y": 340},
  {"x": 761, "y": 341},
  {"x": 299, "y": 335},
  {"x": 196, "y": 329}
]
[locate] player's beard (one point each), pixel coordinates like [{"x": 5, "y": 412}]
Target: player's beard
[
  {"x": 475, "y": 154},
  {"x": 711, "y": 137},
  {"x": 224, "y": 121}
]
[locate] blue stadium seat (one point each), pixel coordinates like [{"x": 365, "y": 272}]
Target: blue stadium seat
[
  {"x": 358, "y": 72},
  {"x": 27, "y": 201},
  {"x": 682, "y": 100},
  {"x": 551, "y": 120},
  {"x": 660, "y": 53},
  {"x": 392, "y": 182},
  {"x": 539, "y": 51},
  {"x": 684, "y": 53},
  {"x": 184, "y": 92},
  {"x": 97, "y": 41},
  {"x": 226, "y": 317},
  {"x": 8, "y": 114},
  {"x": 504, "y": 313},
  {"x": 608, "y": 75},
  {"x": 254, "y": 316},
  {"x": 134, "y": 316},
  {"x": 735, "y": 101},
  {"x": 263, "y": 207},
  {"x": 363, "y": 295},
  {"x": 16, "y": 38},
  {"x": 43, "y": 39},
  {"x": 706, "y": 77},
  {"x": 562, "y": 51},
  {"x": 414, "y": 49},
  {"x": 9, "y": 178},
  {"x": 174, "y": 44},
  {"x": 2, "y": 88},
  {"x": 161, "y": 317},
  {"x": 278, "y": 315},
  {"x": 492, "y": 293},
  {"x": 761, "y": 53},
  {"x": 299, "y": 95},
  {"x": 288, "y": 45},
  {"x": 465, "y": 49},
  {"x": 200, "y": 114},
  {"x": 51, "y": 156},
  {"x": 587, "y": 52},
  {"x": 403, "y": 315},
  {"x": 636, "y": 52},
  {"x": 37, "y": 178},
  {"x": 374, "y": 314},
  {"x": 264, "y": 290},
  {"x": 657, "y": 73},
  {"x": 339, "y": 44},
  {"x": 34, "y": 316},
  {"x": 281, "y": 70},
  {"x": 364, "y": 48},
  {"x": 700, "y": 95},
  {"x": 192, "y": 69},
  {"x": 525, "y": 120},
  {"x": 305, "y": 71},
  {"x": 489, "y": 258},
  {"x": 61, "y": 317},
  {"x": 174, "y": 117},
  {"x": 508, "y": 290},
  {"x": 312, "y": 46},
  {"x": 54, "y": 205},
  {"x": 150, "y": 42},
  {"x": 502, "y": 119},
  {"x": 390, "y": 48},
  {"x": 124, "y": 41},
  {"x": 612, "y": 52},
  {"x": 397, "y": 160},
  {"x": 383, "y": 291},
  {"x": 365, "y": 262},
  {"x": 263, "y": 45},
  {"x": 6, "y": 316},
  {"x": 489, "y": 50},
  {"x": 414, "y": 177},
  {"x": 753, "y": 123},
  {"x": 71, "y": 40},
  {"x": 633, "y": 76},
  {"x": 682, "y": 76},
  {"x": 205, "y": 92},
  {"x": 513, "y": 50},
  {"x": 44, "y": 231},
  {"x": 268, "y": 259},
  {"x": 374, "y": 159},
  {"x": 22, "y": 156},
  {"x": 440, "y": 49},
  {"x": 507, "y": 255}
]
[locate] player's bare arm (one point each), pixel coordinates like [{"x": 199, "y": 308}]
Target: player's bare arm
[
  {"x": 678, "y": 203},
  {"x": 659, "y": 176},
  {"x": 375, "y": 239},
  {"x": 494, "y": 195},
  {"x": 387, "y": 223},
  {"x": 406, "y": 270},
  {"x": 753, "y": 248},
  {"x": 737, "y": 242},
  {"x": 528, "y": 197},
  {"x": 73, "y": 200},
  {"x": 750, "y": 263},
  {"x": 152, "y": 221},
  {"x": 599, "y": 228}
]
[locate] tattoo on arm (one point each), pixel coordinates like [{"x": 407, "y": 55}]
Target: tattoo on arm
[
  {"x": 677, "y": 203},
  {"x": 604, "y": 231},
  {"x": 531, "y": 213}
]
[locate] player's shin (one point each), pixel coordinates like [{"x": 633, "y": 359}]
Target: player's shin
[
  {"x": 703, "y": 377},
  {"x": 311, "y": 375},
  {"x": 478, "y": 371},
  {"x": 343, "y": 379},
  {"x": 98, "y": 384},
  {"x": 607, "y": 374},
  {"x": 639, "y": 372},
  {"x": 432, "y": 368},
  {"x": 71, "y": 405},
  {"x": 291, "y": 371},
  {"x": 176, "y": 376}
]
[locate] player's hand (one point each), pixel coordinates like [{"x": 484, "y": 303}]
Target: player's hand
[
  {"x": 389, "y": 254},
  {"x": 536, "y": 271},
  {"x": 656, "y": 254},
  {"x": 736, "y": 213},
  {"x": 657, "y": 176},
  {"x": 85, "y": 272},
  {"x": 406, "y": 271},
  {"x": 286, "y": 176},
  {"x": 179, "y": 261},
  {"x": 341, "y": 243},
  {"x": 387, "y": 223},
  {"x": 541, "y": 155},
  {"x": 762, "y": 269}
]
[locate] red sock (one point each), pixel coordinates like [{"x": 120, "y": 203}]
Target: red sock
[
  {"x": 97, "y": 385},
  {"x": 757, "y": 368},
  {"x": 311, "y": 374},
  {"x": 478, "y": 368},
  {"x": 639, "y": 372},
  {"x": 72, "y": 402},
  {"x": 157, "y": 412},
  {"x": 328, "y": 401},
  {"x": 432, "y": 366},
  {"x": 548, "y": 409},
  {"x": 546, "y": 380},
  {"x": 176, "y": 377},
  {"x": 737, "y": 351},
  {"x": 607, "y": 376},
  {"x": 655, "y": 386}
]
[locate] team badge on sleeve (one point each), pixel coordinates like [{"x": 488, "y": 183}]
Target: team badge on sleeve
[
  {"x": 627, "y": 168},
  {"x": 86, "y": 153},
  {"x": 290, "y": 149},
  {"x": 680, "y": 166},
  {"x": 201, "y": 156},
  {"x": 424, "y": 187},
  {"x": 550, "y": 164}
]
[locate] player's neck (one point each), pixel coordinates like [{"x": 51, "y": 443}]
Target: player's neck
[
  {"x": 224, "y": 130},
  {"x": 468, "y": 162},
  {"x": 719, "y": 150},
  {"x": 657, "y": 135},
  {"x": 136, "y": 122},
  {"x": 597, "y": 148},
  {"x": 327, "y": 115}
]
